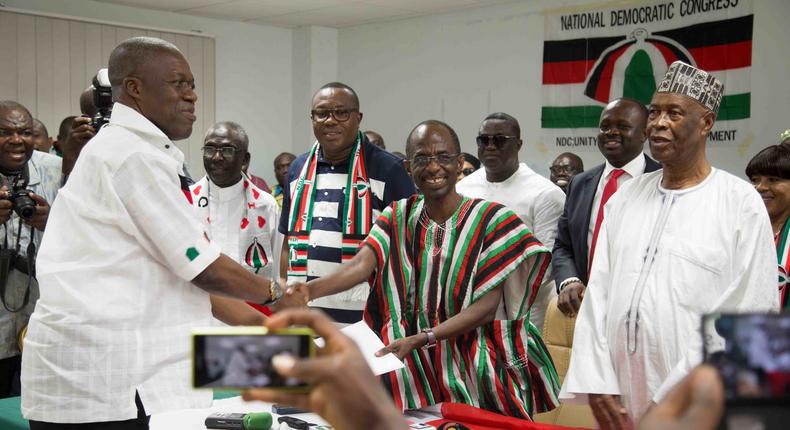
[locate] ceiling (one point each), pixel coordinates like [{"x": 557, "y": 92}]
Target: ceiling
[{"x": 295, "y": 13}]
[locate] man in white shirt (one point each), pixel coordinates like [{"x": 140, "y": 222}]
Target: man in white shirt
[
  {"x": 126, "y": 269},
  {"x": 621, "y": 140},
  {"x": 674, "y": 245},
  {"x": 237, "y": 215},
  {"x": 504, "y": 180}
]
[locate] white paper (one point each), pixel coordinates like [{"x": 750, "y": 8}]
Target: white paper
[{"x": 369, "y": 343}]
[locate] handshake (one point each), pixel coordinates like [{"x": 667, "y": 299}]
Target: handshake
[{"x": 293, "y": 296}]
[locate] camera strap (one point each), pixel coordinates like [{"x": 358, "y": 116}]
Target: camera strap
[{"x": 9, "y": 258}]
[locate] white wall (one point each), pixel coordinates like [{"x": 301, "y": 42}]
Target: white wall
[
  {"x": 458, "y": 67},
  {"x": 253, "y": 72}
]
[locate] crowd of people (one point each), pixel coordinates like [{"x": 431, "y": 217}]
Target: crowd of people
[{"x": 113, "y": 252}]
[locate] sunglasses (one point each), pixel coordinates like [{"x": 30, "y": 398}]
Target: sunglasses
[
  {"x": 468, "y": 171},
  {"x": 498, "y": 140}
]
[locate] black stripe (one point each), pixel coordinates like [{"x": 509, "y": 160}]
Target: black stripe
[
  {"x": 344, "y": 316},
  {"x": 678, "y": 53},
  {"x": 577, "y": 49},
  {"x": 595, "y": 78},
  {"x": 712, "y": 33}
]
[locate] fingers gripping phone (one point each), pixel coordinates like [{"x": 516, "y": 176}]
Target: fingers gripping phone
[{"x": 236, "y": 358}]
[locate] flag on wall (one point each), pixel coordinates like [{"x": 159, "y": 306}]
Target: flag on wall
[{"x": 593, "y": 55}]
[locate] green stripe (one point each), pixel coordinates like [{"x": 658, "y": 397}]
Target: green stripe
[{"x": 733, "y": 107}]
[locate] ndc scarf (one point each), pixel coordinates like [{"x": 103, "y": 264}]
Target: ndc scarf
[
  {"x": 251, "y": 227},
  {"x": 783, "y": 255},
  {"x": 357, "y": 212}
]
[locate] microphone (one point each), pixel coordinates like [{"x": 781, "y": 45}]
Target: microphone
[{"x": 257, "y": 421}]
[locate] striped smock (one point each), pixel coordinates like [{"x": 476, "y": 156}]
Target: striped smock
[{"x": 427, "y": 273}]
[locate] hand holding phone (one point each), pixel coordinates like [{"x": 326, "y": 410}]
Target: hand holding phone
[{"x": 236, "y": 358}]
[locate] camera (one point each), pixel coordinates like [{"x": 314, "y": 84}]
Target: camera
[
  {"x": 23, "y": 205},
  {"x": 102, "y": 99}
]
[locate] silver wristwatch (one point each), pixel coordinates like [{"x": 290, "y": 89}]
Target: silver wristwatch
[
  {"x": 275, "y": 293},
  {"x": 431, "y": 338}
]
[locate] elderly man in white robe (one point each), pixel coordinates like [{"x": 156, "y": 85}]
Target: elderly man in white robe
[{"x": 675, "y": 245}]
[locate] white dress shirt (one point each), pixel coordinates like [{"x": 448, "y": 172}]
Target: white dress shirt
[
  {"x": 539, "y": 204},
  {"x": 633, "y": 169},
  {"x": 114, "y": 269}
]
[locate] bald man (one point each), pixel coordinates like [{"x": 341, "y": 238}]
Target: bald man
[
  {"x": 126, "y": 267},
  {"x": 226, "y": 195}
]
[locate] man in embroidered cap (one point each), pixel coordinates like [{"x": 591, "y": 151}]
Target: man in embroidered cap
[
  {"x": 784, "y": 137},
  {"x": 674, "y": 245}
]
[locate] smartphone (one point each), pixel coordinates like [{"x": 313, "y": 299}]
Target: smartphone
[
  {"x": 752, "y": 355},
  {"x": 236, "y": 358}
]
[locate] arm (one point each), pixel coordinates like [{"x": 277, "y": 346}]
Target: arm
[
  {"x": 235, "y": 312},
  {"x": 563, "y": 264},
  {"x": 81, "y": 132},
  {"x": 225, "y": 277},
  {"x": 284, "y": 258},
  {"x": 479, "y": 313},
  {"x": 345, "y": 277}
]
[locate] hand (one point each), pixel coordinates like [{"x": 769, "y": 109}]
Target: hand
[
  {"x": 39, "y": 219},
  {"x": 338, "y": 368},
  {"x": 81, "y": 133},
  {"x": 5, "y": 205},
  {"x": 403, "y": 347},
  {"x": 697, "y": 402},
  {"x": 570, "y": 299},
  {"x": 608, "y": 412},
  {"x": 295, "y": 296}
]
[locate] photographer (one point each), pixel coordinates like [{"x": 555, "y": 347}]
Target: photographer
[
  {"x": 30, "y": 179},
  {"x": 96, "y": 107}
]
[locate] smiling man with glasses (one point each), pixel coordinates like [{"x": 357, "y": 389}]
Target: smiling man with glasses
[
  {"x": 333, "y": 195},
  {"x": 237, "y": 215},
  {"x": 503, "y": 179}
]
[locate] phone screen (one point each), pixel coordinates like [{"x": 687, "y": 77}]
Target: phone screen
[
  {"x": 752, "y": 354},
  {"x": 238, "y": 361}
]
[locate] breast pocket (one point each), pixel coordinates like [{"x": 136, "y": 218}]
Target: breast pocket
[{"x": 696, "y": 274}]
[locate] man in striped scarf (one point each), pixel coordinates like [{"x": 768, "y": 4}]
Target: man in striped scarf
[{"x": 437, "y": 264}]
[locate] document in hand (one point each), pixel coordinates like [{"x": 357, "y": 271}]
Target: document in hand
[{"x": 369, "y": 343}]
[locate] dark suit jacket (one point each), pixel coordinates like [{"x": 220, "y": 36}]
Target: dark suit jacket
[{"x": 569, "y": 257}]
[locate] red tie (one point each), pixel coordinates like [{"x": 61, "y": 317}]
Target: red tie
[{"x": 608, "y": 190}]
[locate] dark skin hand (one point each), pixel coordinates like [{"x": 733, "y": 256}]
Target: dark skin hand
[
  {"x": 81, "y": 133},
  {"x": 609, "y": 413},
  {"x": 37, "y": 221},
  {"x": 570, "y": 299},
  {"x": 696, "y": 403},
  {"x": 338, "y": 368}
]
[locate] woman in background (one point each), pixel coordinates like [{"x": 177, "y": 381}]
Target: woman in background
[{"x": 769, "y": 172}]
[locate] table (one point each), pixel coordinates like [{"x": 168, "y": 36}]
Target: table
[{"x": 11, "y": 415}]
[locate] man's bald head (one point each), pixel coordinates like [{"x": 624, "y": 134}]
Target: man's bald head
[
  {"x": 421, "y": 129},
  {"x": 234, "y": 132},
  {"x": 132, "y": 56},
  {"x": 86, "y": 102}
]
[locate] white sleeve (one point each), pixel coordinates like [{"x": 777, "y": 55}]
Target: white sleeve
[
  {"x": 548, "y": 208},
  {"x": 591, "y": 370},
  {"x": 164, "y": 222},
  {"x": 753, "y": 288}
]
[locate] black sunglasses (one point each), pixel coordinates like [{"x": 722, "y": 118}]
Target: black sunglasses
[{"x": 498, "y": 140}]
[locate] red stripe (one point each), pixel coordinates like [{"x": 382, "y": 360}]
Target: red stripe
[
  {"x": 566, "y": 72},
  {"x": 667, "y": 53},
  {"x": 605, "y": 81},
  {"x": 723, "y": 57}
]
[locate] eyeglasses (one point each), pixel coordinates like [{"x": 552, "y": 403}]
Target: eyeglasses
[
  {"x": 498, "y": 140},
  {"x": 341, "y": 115},
  {"x": 468, "y": 171},
  {"x": 420, "y": 161},
  {"x": 562, "y": 169},
  {"x": 225, "y": 151}
]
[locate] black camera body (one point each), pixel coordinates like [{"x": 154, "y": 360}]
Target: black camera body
[
  {"x": 19, "y": 195},
  {"x": 102, "y": 99}
]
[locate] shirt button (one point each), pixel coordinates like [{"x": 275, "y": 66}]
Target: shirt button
[
  {"x": 320, "y": 219},
  {"x": 332, "y": 167},
  {"x": 326, "y": 193},
  {"x": 167, "y": 146}
]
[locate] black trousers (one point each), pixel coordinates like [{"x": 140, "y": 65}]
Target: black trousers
[
  {"x": 9, "y": 376},
  {"x": 139, "y": 423}
]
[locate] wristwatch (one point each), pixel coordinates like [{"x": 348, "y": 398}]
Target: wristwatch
[
  {"x": 566, "y": 282},
  {"x": 431, "y": 338},
  {"x": 275, "y": 293}
]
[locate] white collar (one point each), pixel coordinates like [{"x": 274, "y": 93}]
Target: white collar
[
  {"x": 126, "y": 117},
  {"x": 634, "y": 167},
  {"x": 233, "y": 192}
]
